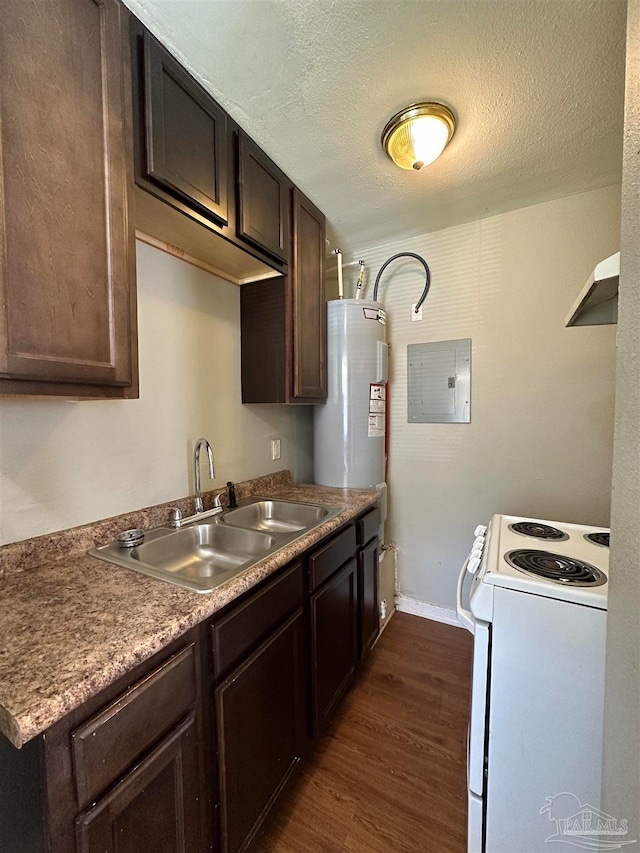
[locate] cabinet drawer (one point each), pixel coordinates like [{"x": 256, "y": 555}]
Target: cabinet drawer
[
  {"x": 323, "y": 563},
  {"x": 368, "y": 526},
  {"x": 234, "y": 635},
  {"x": 113, "y": 739}
]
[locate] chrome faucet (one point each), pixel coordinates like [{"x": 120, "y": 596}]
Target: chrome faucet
[
  {"x": 201, "y": 442},
  {"x": 176, "y": 519}
]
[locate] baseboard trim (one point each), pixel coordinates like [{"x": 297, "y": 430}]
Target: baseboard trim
[{"x": 428, "y": 611}]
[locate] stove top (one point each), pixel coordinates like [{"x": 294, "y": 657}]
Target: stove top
[{"x": 558, "y": 560}]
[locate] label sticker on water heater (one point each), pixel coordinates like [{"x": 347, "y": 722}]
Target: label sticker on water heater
[
  {"x": 375, "y": 314},
  {"x": 376, "y": 426},
  {"x": 377, "y": 406}
]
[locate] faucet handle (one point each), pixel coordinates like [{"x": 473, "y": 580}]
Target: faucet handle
[
  {"x": 175, "y": 517},
  {"x": 216, "y": 501}
]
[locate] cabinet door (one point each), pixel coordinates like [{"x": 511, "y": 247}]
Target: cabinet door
[
  {"x": 186, "y": 134},
  {"x": 67, "y": 258},
  {"x": 309, "y": 326},
  {"x": 263, "y": 195},
  {"x": 334, "y": 618},
  {"x": 368, "y": 608},
  {"x": 260, "y": 725},
  {"x": 155, "y": 808}
]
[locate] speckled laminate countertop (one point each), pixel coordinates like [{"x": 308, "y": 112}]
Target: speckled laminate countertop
[{"x": 71, "y": 624}]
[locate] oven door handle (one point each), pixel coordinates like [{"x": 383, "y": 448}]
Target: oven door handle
[{"x": 465, "y": 617}]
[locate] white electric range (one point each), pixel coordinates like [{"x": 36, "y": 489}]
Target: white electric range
[{"x": 537, "y": 602}]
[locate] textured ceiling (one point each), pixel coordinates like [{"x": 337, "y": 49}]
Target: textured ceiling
[{"x": 537, "y": 86}]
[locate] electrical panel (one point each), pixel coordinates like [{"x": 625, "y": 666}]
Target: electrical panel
[{"x": 439, "y": 382}]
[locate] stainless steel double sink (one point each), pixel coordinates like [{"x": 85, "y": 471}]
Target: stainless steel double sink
[{"x": 202, "y": 555}]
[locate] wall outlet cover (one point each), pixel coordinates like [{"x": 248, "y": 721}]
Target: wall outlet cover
[
  {"x": 416, "y": 317},
  {"x": 275, "y": 449}
]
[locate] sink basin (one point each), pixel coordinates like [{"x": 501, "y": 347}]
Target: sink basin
[
  {"x": 277, "y": 516},
  {"x": 199, "y": 557},
  {"x": 203, "y": 555}
]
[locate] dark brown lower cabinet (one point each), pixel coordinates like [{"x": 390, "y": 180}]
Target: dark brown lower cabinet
[
  {"x": 334, "y": 642},
  {"x": 259, "y": 711},
  {"x": 369, "y": 612},
  {"x": 155, "y": 807},
  {"x": 189, "y": 751}
]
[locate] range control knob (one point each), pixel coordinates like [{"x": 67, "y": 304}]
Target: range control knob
[
  {"x": 479, "y": 542},
  {"x": 473, "y": 565},
  {"x": 480, "y": 530}
]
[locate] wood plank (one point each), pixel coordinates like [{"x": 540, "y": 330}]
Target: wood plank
[{"x": 391, "y": 772}]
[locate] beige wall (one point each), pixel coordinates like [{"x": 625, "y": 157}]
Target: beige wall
[
  {"x": 67, "y": 463},
  {"x": 540, "y": 439},
  {"x": 621, "y": 784}
]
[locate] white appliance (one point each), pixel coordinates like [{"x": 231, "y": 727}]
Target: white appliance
[
  {"x": 597, "y": 303},
  {"x": 349, "y": 430},
  {"x": 537, "y": 602}
]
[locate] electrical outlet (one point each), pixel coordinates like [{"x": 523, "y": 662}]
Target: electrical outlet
[
  {"x": 383, "y": 609},
  {"x": 275, "y": 449},
  {"x": 415, "y": 317}
]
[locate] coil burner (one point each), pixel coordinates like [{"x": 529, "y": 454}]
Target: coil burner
[
  {"x": 555, "y": 567},
  {"x": 599, "y": 538},
  {"x": 537, "y": 530}
]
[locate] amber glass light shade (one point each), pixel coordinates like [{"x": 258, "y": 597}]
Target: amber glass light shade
[{"x": 418, "y": 134}]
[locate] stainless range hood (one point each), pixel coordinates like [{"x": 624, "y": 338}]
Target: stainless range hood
[{"x": 597, "y": 304}]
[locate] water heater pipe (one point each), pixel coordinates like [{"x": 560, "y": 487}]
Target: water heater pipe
[
  {"x": 406, "y": 255},
  {"x": 340, "y": 284}
]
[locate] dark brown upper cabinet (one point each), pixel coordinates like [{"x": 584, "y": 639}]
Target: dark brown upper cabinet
[
  {"x": 186, "y": 143},
  {"x": 186, "y": 167},
  {"x": 263, "y": 198},
  {"x": 308, "y": 302},
  {"x": 67, "y": 255},
  {"x": 284, "y": 333}
]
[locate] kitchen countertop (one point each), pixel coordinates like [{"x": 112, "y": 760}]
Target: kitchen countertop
[{"x": 72, "y": 624}]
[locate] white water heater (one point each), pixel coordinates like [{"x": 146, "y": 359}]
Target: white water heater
[{"x": 349, "y": 430}]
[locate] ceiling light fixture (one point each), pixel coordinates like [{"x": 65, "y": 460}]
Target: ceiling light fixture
[{"x": 418, "y": 134}]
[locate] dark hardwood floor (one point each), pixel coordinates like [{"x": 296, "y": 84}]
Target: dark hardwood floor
[{"x": 390, "y": 775}]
